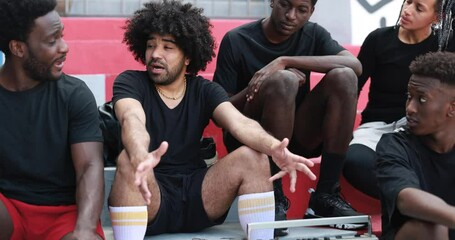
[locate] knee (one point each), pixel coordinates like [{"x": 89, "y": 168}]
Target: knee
[
  {"x": 360, "y": 156},
  {"x": 416, "y": 229},
  {"x": 282, "y": 85},
  {"x": 124, "y": 167},
  {"x": 253, "y": 161},
  {"x": 342, "y": 81}
]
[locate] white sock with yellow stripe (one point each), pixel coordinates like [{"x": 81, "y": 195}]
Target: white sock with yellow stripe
[
  {"x": 129, "y": 223},
  {"x": 257, "y": 207}
]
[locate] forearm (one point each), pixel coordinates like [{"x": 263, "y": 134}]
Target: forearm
[
  {"x": 425, "y": 206},
  {"x": 322, "y": 64},
  {"x": 254, "y": 136},
  {"x": 135, "y": 139},
  {"x": 89, "y": 197}
]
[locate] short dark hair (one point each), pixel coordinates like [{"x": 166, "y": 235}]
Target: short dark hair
[
  {"x": 186, "y": 23},
  {"x": 313, "y": 2},
  {"x": 17, "y": 19},
  {"x": 440, "y": 65}
]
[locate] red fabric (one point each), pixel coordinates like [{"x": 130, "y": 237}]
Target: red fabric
[{"x": 42, "y": 222}]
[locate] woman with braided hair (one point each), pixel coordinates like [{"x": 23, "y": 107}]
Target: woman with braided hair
[{"x": 423, "y": 26}]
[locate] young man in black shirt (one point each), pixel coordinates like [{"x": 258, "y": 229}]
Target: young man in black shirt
[
  {"x": 265, "y": 67},
  {"x": 163, "y": 112},
  {"x": 415, "y": 166}
]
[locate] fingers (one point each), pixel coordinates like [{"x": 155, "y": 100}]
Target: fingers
[
  {"x": 143, "y": 188},
  {"x": 161, "y": 150},
  {"x": 304, "y": 168},
  {"x": 293, "y": 180},
  {"x": 279, "y": 175},
  {"x": 300, "y": 75}
]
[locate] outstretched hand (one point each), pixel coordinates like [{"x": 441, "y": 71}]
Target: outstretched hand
[
  {"x": 144, "y": 168},
  {"x": 290, "y": 163}
]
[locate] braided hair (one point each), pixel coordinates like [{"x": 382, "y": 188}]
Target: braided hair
[{"x": 445, "y": 25}]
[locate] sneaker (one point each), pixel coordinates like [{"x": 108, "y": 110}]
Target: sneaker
[
  {"x": 331, "y": 205},
  {"x": 282, "y": 205}
]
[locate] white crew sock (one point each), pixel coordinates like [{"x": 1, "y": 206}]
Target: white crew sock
[
  {"x": 257, "y": 207},
  {"x": 129, "y": 223}
]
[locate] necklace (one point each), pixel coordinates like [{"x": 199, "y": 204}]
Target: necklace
[{"x": 173, "y": 98}]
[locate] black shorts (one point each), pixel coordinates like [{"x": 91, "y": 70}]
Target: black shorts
[{"x": 181, "y": 208}]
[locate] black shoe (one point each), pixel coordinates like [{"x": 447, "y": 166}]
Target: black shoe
[
  {"x": 331, "y": 205},
  {"x": 282, "y": 205}
]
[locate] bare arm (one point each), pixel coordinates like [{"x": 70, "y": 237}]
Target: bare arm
[
  {"x": 321, "y": 64},
  {"x": 88, "y": 164},
  {"x": 425, "y": 206},
  {"x": 136, "y": 140},
  {"x": 135, "y": 137},
  {"x": 250, "y": 133}
]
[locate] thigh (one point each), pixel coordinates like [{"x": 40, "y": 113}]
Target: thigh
[
  {"x": 240, "y": 172},
  {"x": 196, "y": 217},
  {"x": 9, "y": 220}
]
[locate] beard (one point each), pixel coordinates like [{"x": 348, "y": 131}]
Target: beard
[
  {"x": 170, "y": 75},
  {"x": 37, "y": 70}
]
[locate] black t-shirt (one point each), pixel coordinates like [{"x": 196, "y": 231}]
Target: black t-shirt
[
  {"x": 385, "y": 60},
  {"x": 181, "y": 127},
  {"x": 245, "y": 50},
  {"x": 37, "y": 129},
  {"x": 405, "y": 162}
]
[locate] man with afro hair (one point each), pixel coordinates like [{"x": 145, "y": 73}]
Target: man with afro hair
[
  {"x": 162, "y": 184},
  {"x": 415, "y": 166},
  {"x": 51, "y": 166}
]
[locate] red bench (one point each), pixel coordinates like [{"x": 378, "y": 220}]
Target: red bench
[{"x": 96, "y": 48}]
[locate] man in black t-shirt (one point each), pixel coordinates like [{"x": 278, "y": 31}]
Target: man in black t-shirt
[
  {"x": 265, "y": 67},
  {"x": 162, "y": 184},
  {"x": 415, "y": 167},
  {"x": 51, "y": 166}
]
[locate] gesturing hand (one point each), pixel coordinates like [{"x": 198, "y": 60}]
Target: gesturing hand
[
  {"x": 290, "y": 163},
  {"x": 144, "y": 168}
]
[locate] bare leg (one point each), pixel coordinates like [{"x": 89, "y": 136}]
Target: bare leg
[
  {"x": 415, "y": 229},
  {"x": 274, "y": 105},
  {"x": 327, "y": 114},
  {"x": 125, "y": 193},
  {"x": 274, "y": 108},
  {"x": 6, "y": 224},
  {"x": 327, "y": 117},
  {"x": 241, "y": 172}
]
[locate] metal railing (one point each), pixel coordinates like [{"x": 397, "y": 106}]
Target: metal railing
[{"x": 122, "y": 8}]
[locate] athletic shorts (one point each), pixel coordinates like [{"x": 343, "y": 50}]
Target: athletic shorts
[
  {"x": 370, "y": 133},
  {"x": 181, "y": 208},
  {"x": 41, "y": 222}
]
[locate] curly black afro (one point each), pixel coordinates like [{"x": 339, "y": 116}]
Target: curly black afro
[
  {"x": 440, "y": 65},
  {"x": 17, "y": 19},
  {"x": 186, "y": 23}
]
